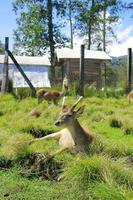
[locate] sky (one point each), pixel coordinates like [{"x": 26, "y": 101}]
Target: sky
[{"x": 123, "y": 30}]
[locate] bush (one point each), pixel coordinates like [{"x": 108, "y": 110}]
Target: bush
[
  {"x": 16, "y": 146},
  {"x": 115, "y": 123},
  {"x": 73, "y": 89},
  {"x": 37, "y": 131},
  {"x": 104, "y": 191},
  {"x": 128, "y": 127},
  {"x": 22, "y": 93},
  {"x": 128, "y": 131},
  {"x": 90, "y": 90}
]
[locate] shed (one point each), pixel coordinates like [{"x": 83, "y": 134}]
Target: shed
[
  {"x": 36, "y": 68},
  {"x": 69, "y": 60}
]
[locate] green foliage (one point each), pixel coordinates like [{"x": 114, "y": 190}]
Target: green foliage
[
  {"x": 105, "y": 173},
  {"x": 2, "y": 48},
  {"x": 115, "y": 123},
  {"x": 37, "y": 31},
  {"x": 101, "y": 172},
  {"x": 87, "y": 170},
  {"x": 37, "y": 131},
  {"x": 16, "y": 146},
  {"x": 104, "y": 191},
  {"x": 128, "y": 129},
  {"x": 92, "y": 16}
]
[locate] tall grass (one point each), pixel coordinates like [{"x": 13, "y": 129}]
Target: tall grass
[{"x": 104, "y": 173}]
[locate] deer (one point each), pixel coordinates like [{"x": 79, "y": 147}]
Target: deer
[
  {"x": 53, "y": 95},
  {"x": 35, "y": 113},
  {"x": 130, "y": 96},
  {"x": 74, "y": 136}
]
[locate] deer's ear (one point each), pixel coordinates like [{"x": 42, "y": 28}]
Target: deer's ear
[{"x": 80, "y": 111}]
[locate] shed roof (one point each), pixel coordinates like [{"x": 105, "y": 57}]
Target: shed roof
[
  {"x": 66, "y": 53},
  {"x": 29, "y": 60}
]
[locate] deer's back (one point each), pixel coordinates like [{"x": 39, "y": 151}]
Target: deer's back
[
  {"x": 50, "y": 95},
  {"x": 47, "y": 94},
  {"x": 130, "y": 96}
]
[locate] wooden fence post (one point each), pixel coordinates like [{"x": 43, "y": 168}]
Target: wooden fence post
[
  {"x": 81, "y": 75},
  {"x": 5, "y": 80},
  {"x": 105, "y": 75},
  {"x": 129, "y": 70},
  {"x": 22, "y": 73}
]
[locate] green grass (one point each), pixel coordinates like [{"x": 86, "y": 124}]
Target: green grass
[{"x": 106, "y": 173}]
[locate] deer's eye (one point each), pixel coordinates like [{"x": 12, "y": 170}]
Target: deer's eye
[{"x": 66, "y": 116}]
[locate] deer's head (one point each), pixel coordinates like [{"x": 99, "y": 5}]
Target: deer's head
[{"x": 68, "y": 115}]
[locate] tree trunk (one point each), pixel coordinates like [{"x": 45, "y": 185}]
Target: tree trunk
[
  {"x": 5, "y": 79},
  {"x": 104, "y": 28},
  {"x": 104, "y": 41},
  {"x": 89, "y": 36},
  {"x": 90, "y": 27},
  {"x": 4, "y": 86},
  {"x": 51, "y": 39},
  {"x": 71, "y": 25}
]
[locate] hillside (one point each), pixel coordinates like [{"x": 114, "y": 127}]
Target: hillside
[{"x": 105, "y": 173}]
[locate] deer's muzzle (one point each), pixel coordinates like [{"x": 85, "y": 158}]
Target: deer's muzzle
[{"x": 57, "y": 123}]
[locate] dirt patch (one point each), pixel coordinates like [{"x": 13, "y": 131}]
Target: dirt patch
[
  {"x": 129, "y": 161},
  {"x": 37, "y": 165},
  {"x": 128, "y": 131},
  {"x": 115, "y": 123},
  {"x": 5, "y": 164},
  {"x": 37, "y": 132},
  {"x": 1, "y": 113}
]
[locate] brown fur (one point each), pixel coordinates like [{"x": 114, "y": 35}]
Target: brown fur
[
  {"x": 35, "y": 113},
  {"x": 49, "y": 96},
  {"x": 74, "y": 137},
  {"x": 130, "y": 96},
  {"x": 52, "y": 95}
]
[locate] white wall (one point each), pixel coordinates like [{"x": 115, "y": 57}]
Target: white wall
[{"x": 38, "y": 75}]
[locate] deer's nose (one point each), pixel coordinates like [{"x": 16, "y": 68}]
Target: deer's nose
[{"x": 57, "y": 123}]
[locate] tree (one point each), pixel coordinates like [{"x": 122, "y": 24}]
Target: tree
[
  {"x": 128, "y": 5},
  {"x": 87, "y": 20},
  {"x": 2, "y": 48},
  {"x": 67, "y": 13},
  {"x": 71, "y": 24},
  {"x": 71, "y": 6},
  {"x": 95, "y": 19},
  {"x": 37, "y": 29},
  {"x": 109, "y": 15}
]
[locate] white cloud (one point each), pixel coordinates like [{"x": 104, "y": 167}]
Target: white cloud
[
  {"x": 121, "y": 49},
  {"x": 125, "y": 38},
  {"x": 77, "y": 41},
  {"x": 124, "y": 34}
]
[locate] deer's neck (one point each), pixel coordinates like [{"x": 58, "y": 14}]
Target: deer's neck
[
  {"x": 63, "y": 92},
  {"x": 76, "y": 129}
]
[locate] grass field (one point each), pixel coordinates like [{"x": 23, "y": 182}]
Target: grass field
[{"x": 106, "y": 173}]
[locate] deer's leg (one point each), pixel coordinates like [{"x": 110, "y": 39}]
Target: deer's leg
[
  {"x": 56, "y": 135},
  {"x": 40, "y": 99},
  {"x": 57, "y": 152},
  {"x": 129, "y": 99},
  {"x": 49, "y": 103},
  {"x": 55, "y": 102}
]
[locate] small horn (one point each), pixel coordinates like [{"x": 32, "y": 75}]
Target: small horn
[
  {"x": 75, "y": 104},
  {"x": 63, "y": 103}
]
